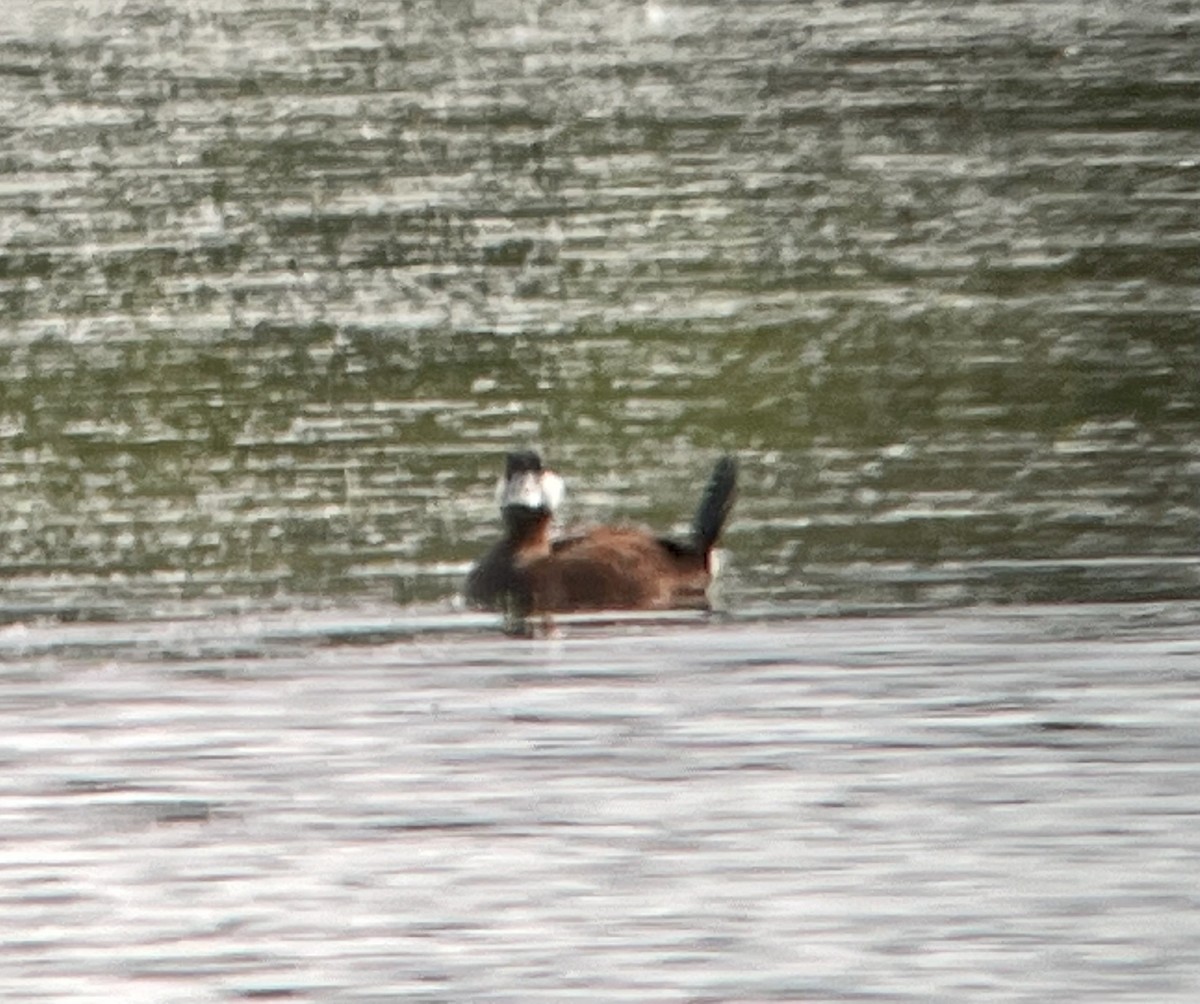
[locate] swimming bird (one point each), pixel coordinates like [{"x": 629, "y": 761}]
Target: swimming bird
[{"x": 529, "y": 571}]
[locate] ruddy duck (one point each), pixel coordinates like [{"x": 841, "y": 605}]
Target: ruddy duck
[{"x": 604, "y": 568}]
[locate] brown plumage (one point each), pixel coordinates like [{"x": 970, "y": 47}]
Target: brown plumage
[{"x": 605, "y": 568}]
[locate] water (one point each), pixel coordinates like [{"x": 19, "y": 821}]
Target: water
[
  {"x": 985, "y": 805},
  {"x": 279, "y": 284},
  {"x": 281, "y": 281}
]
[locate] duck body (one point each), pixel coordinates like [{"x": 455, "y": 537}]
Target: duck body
[{"x": 529, "y": 571}]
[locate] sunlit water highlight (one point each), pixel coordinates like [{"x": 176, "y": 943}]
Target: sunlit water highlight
[{"x": 993, "y": 806}]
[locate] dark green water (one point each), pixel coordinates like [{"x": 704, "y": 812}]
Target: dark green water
[{"x": 280, "y": 282}]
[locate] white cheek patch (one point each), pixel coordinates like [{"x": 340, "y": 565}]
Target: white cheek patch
[
  {"x": 553, "y": 490},
  {"x": 523, "y": 490},
  {"x": 531, "y": 491}
]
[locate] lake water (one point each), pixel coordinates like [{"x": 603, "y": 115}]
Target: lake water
[
  {"x": 280, "y": 282},
  {"x": 991, "y": 805}
]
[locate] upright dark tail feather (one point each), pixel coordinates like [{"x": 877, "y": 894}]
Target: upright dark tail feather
[{"x": 715, "y": 504}]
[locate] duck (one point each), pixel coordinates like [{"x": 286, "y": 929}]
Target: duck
[{"x": 531, "y": 571}]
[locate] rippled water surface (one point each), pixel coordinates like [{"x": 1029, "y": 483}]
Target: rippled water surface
[
  {"x": 986, "y": 805},
  {"x": 281, "y": 280}
]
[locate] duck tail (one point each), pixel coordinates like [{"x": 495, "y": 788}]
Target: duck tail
[{"x": 715, "y": 504}]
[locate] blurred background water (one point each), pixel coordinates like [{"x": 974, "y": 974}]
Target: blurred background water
[{"x": 282, "y": 280}]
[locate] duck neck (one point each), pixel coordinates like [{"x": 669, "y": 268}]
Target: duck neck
[{"x": 528, "y": 530}]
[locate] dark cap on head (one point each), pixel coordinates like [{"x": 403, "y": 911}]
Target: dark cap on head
[{"x": 522, "y": 462}]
